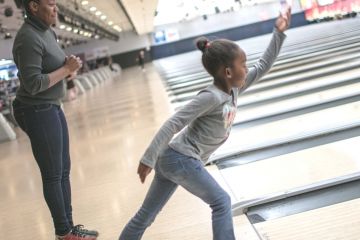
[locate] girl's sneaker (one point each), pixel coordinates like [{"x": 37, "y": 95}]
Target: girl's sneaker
[{"x": 81, "y": 230}]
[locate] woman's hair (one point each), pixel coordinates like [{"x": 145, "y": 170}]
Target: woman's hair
[
  {"x": 216, "y": 54},
  {"x": 26, "y": 5}
]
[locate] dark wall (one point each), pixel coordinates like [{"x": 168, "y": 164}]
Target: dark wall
[
  {"x": 235, "y": 34},
  {"x": 128, "y": 59},
  {"x": 186, "y": 45}
]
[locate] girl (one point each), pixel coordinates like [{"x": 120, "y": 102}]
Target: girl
[{"x": 209, "y": 117}]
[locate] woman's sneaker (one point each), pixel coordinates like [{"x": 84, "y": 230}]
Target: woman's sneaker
[
  {"x": 72, "y": 236},
  {"x": 79, "y": 229}
]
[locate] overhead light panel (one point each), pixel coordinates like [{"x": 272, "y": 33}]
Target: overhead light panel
[
  {"x": 117, "y": 28},
  {"x": 76, "y": 24},
  {"x": 84, "y": 3}
]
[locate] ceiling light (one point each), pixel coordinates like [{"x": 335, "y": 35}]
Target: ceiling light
[
  {"x": 103, "y": 17},
  {"x": 68, "y": 29},
  {"x": 62, "y": 27},
  {"x": 93, "y": 9},
  {"x": 98, "y": 13},
  {"x": 8, "y": 35},
  {"x": 97, "y": 36},
  {"x": 110, "y": 23},
  {"x": 76, "y": 30},
  {"x": 84, "y": 3},
  {"x": 117, "y": 28}
]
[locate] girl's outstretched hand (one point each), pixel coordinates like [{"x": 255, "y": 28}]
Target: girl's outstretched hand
[
  {"x": 283, "y": 21},
  {"x": 143, "y": 171}
]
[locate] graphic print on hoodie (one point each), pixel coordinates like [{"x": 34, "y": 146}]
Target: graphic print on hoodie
[{"x": 229, "y": 114}]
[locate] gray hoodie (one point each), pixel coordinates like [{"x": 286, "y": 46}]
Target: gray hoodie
[{"x": 206, "y": 121}]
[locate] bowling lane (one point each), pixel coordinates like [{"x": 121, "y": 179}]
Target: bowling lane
[
  {"x": 292, "y": 84},
  {"x": 315, "y": 46},
  {"x": 318, "y": 72},
  {"x": 304, "y": 58},
  {"x": 251, "y": 99},
  {"x": 176, "y": 68},
  {"x": 291, "y": 129},
  {"x": 313, "y": 66},
  {"x": 339, "y": 221},
  {"x": 254, "y": 45},
  {"x": 295, "y": 61},
  {"x": 282, "y": 173},
  {"x": 197, "y": 85},
  {"x": 315, "y": 56}
]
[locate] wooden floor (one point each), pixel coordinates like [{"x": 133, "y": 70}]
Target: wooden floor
[
  {"x": 110, "y": 127},
  {"x": 340, "y": 221},
  {"x": 293, "y": 170}
]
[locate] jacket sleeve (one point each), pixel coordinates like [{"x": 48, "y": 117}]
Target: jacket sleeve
[
  {"x": 266, "y": 61},
  {"x": 202, "y": 104},
  {"x": 30, "y": 53}
]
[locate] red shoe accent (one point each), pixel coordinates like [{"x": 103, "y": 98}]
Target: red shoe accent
[{"x": 71, "y": 236}]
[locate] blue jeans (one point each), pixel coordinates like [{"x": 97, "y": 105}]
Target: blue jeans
[
  {"x": 173, "y": 169},
  {"x": 46, "y": 127}
]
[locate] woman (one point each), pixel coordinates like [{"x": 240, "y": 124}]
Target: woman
[{"x": 43, "y": 68}]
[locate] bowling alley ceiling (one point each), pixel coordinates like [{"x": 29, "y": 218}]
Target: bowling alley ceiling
[
  {"x": 121, "y": 15},
  {"x": 81, "y": 20},
  {"x": 141, "y": 13},
  {"x": 108, "y": 14},
  {"x": 186, "y": 10}
]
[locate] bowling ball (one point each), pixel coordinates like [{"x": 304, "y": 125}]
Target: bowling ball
[{"x": 8, "y": 12}]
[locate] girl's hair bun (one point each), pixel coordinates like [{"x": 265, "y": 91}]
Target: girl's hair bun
[{"x": 202, "y": 43}]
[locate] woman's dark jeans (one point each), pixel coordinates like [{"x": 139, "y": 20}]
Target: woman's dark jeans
[{"x": 47, "y": 129}]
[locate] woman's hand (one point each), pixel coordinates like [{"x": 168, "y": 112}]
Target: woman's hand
[
  {"x": 72, "y": 76},
  {"x": 73, "y": 64},
  {"x": 283, "y": 21},
  {"x": 70, "y": 68},
  {"x": 143, "y": 171}
]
